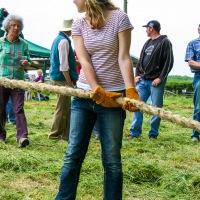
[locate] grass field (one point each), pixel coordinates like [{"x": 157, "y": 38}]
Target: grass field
[{"x": 166, "y": 168}]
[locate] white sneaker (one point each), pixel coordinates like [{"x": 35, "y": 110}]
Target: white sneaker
[
  {"x": 195, "y": 139},
  {"x": 97, "y": 136}
]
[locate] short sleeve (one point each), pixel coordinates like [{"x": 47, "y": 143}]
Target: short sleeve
[
  {"x": 76, "y": 27},
  {"x": 189, "y": 52},
  {"x": 124, "y": 22}
]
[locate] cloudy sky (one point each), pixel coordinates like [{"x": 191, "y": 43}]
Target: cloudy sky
[{"x": 179, "y": 21}]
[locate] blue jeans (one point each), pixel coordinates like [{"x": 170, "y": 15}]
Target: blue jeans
[
  {"x": 84, "y": 113},
  {"x": 146, "y": 90},
  {"x": 9, "y": 111},
  {"x": 96, "y": 128},
  {"x": 196, "y": 101}
]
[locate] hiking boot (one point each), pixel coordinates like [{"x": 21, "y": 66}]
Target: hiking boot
[
  {"x": 132, "y": 136},
  {"x": 54, "y": 137},
  {"x": 152, "y": 137},
  {"x": 23, "y": 142}
]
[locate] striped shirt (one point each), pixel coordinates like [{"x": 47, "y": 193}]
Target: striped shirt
[
  {"x": 193, "y": 52},
  {"x": 10, "y": 56},
  {"x": 103, "y": 46}
]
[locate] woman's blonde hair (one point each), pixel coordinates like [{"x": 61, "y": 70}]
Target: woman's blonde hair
[{"x": 95, "y": 11}]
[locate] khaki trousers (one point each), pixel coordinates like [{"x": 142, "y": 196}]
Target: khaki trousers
[{"x": 61, "y": 121}]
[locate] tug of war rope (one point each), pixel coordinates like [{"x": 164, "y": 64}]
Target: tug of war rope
[{"x": 69, "y": 91}]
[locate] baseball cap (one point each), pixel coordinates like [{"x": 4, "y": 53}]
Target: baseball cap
[
  {"x": 153, "y": 24},
  {"x": 199, "y": 25}
]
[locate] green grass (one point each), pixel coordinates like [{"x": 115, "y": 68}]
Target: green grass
[{"x": 167, "y": 168}]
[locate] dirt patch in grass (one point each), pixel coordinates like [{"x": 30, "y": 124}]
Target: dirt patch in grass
[{"x": 179, "y": 106}]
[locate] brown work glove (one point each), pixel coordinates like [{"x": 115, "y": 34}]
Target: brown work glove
[
  {"x": 131, "y": 93},
  {"x": 106, "y": 99}
]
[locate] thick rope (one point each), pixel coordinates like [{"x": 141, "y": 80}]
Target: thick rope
[{"x": 145, "y": 108}]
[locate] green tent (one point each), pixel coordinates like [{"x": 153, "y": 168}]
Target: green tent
[
  {"x": 134, "y": 59},
  {"x": 38, "y": 51},
  {"x": 40, "y": 57}
]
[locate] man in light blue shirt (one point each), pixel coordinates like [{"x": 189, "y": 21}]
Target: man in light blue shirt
[{"x": 193, "y": 58}]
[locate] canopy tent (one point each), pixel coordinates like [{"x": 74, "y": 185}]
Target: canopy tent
[
  {"x": 38, "y": 51},
  {"x": 41, "y": 52},
  {"x": 134, "y": 60},
  {"x": 40, "y": 57}
]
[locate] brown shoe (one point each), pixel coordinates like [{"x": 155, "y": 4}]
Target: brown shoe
[
  {"x": 59, "y": 137},
  {"x": 23, "y": 142},
  {"x": 54, "y": 137}
]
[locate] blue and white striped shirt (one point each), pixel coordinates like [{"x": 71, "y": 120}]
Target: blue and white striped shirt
[{"x": 193, "y": 52}]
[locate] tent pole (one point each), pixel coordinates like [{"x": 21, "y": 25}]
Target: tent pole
[
  {"x": 44, "y": 69},
  {"x": 125, "y": 6}
]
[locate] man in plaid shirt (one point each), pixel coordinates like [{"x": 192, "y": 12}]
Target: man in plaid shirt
[
  {"x": 193, "y": 58},
  {"x": 14, "y": 57}
]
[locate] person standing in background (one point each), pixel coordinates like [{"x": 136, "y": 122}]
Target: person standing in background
[
  {"x": 40, "y": 77},
  {"x": 192, "y": 56},
  {"x": 3, "y": 14},
  {"x": 9, "y": 107},
  {"x": 26, "y": 75},
  {"x": 14, "y": 57},
  {"x": 10, "y": 112},
  {"x": 155, "y": 62},
  {"x": 62, "y": 72}
]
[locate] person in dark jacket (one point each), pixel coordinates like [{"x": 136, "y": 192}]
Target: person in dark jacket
[{"x": 155, "y": 62}]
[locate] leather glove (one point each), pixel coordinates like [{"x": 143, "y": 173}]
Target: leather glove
[
  {"x": 131, "y": 93},
  {"x": 106, "y": 99}
]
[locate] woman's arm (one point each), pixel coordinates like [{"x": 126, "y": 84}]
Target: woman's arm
[
  {"x": 85, "y": 61},
  {"x": 126, "y": 67},
  {"x": 124, "y": 59}
]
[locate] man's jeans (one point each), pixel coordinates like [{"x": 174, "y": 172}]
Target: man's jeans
[
  {"x": 17, "y": 96},
  {"x": 9, "y": 111},
  {"x": 84, "y": 113},
  {"x": 146, "y": 90},
  {"x": 196, "y": 101}
]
